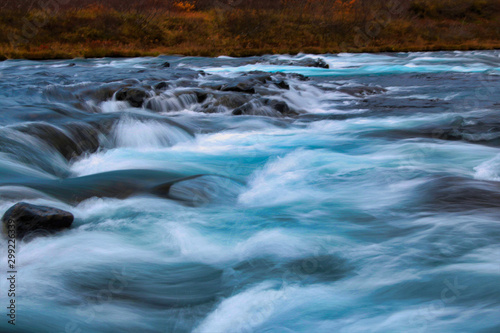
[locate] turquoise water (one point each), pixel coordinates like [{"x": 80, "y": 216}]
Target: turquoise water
[{"x": 373, "y": 206}]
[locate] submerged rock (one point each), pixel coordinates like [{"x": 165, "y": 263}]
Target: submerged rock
[
  {"x": 362, "y": 91},
  {"x": 27, "y": 218},
  {"x": 70, "y": 140}
]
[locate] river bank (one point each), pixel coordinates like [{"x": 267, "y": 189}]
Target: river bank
[
  {"x": 99, "y": 31},
  {"x": 68, "y": 51}
]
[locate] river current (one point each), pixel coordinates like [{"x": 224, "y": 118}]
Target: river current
[{"x": 308, "y": 193}]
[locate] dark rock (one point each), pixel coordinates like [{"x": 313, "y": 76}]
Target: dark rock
[
  {"x": 212, "y": 109},
  {"x": 244, "y": 109},
  {"x": 238, "y": 112},
  {"x": 52, "y": 136},
  {"x": 298, "y": 76},
  {"x": 458, "y": 194},
  {"x": 85, "y": 138},
  {"x": 201, "y": 96},
  {"x": 320, "y": 63},
  {"x": 282, "y": 84},
  {"x": 161, "y": 86},
  {"x": 306, "y": 62},
  {"x": 240, "y": 86},
  {"x": 26, "y": 218},
  {"x": 280, "y": 106},
  {"x": 166, "y": 64},
  {"x": 134, "y": 96},
  {"x": 265, "y": 107},
  {"x": 231, "y": 101}
]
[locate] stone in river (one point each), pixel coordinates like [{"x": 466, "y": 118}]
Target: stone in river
[{"x": 26, "y": 218}]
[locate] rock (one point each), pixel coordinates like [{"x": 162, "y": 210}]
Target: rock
[
  {"x": 85, "y": 138},
  {"x": 231, "y": 100},
  {"x": 52, "y": 136},
  {"x": 297, "y": 76},
  {"x": 201, "y": 96},
  {"x": 280, "y": 106},
  {"x": 244, "y": 109},
  {"x": 306, "y": 62},
  {"x": 212, "y": 85},
  {"x": 71, "y": 141},
  {"x": 282, "y": 84},
  {"x": 134, "y": 96},
  {"x": 212, "y": 109},
  {"x": 28, "y": 218},
  {"x": 259, "y": 76},
  {"x": 320, "y": 63},
  {"x": 244, "y": 86},
  {"x": 161, "y": 86},
  {"x": 166, "y": 64}
]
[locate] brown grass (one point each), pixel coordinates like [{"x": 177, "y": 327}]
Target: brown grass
[{"x": 151, "y": 27}]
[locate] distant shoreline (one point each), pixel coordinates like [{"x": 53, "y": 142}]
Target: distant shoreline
[{"x": 84, "y": 54}]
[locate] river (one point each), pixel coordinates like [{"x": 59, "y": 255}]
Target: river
[{"x": 308, "y": 193}]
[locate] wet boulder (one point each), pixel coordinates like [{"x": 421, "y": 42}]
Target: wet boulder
[
  {"x": 201, "y": 96},
  {"x": 161, "y": 86},
  {"x": 306, "y": 62},
  {"x": 70, "y": 141},
  {"x": 282, "y": 85},
  {"x": 310, "y": 62},
  {"x": 297, "y": 76},
  {"x": 259, "y": 76},
  {"x": 231, "y": 100},
  {"x": 134, "y": 96},
  {"x": 85, "y": 139},
  {"x": 280, "y": 106},
  {"x": 52, "y": 136},
  {"x": 244, "y": 86},
  {"x": 26, "y": 218},
  {"x": 245, "y": 109}
]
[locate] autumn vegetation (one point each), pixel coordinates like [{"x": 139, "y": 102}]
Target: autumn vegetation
[{"x": 43, "y": 29}]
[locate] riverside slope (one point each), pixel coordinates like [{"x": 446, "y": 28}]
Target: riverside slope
[{"x": 262, "y": 194}]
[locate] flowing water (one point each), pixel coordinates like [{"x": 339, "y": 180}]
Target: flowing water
[{"x": 256, "y": 194}]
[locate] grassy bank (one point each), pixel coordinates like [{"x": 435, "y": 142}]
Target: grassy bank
[{"x": 92, "y": 29}]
